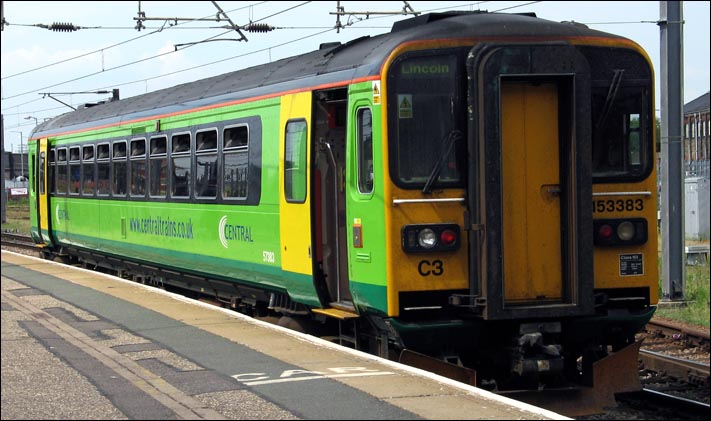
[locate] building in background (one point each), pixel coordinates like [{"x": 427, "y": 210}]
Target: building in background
[
  {"x": 696, "y": 137},
  {"x": 696, "y": 208},
  {"x": 697, "y": 149},
  {"x": 15, "y": 165}
]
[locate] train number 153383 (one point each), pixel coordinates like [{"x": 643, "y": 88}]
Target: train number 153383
[{"x": 620, "y": 205}]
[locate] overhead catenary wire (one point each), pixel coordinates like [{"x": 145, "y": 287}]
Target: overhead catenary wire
[
  {"x": 100, "y": 50},
  {"x": 137, "y": 61},
  {"x": 140, "y": 61}
]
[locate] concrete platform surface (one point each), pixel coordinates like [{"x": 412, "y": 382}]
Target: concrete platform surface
[{"x": 77, "y": 344}]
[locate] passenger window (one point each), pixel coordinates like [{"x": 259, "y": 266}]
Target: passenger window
[
  {"x": 235, "y": 162},
  {"x": 103, "y": 170},
  {"x": 365, "y": 150},
  {"x": 87, "y": 169},
  {"x": 74, "y": 170},
  {"x": 42, "y": 162},
  {"x": 180, "y": 166},
  {"x": 206, "y": 164},
  {"x": 120, "y": 169},
  {"x": 62, "y": 172},
  {"x": 295, "y": 161},
  {"x": 138, "y": 167},
  {"x": 159, "y": 167},
  {"x": 51, "y": 177}
]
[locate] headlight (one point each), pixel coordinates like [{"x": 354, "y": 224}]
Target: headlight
[
  {"x": 427, "y": 238},
  {"x": 625, "y": 231},
  {"x": 430, "y": 238},
  {"x": 619, "y": 232}
]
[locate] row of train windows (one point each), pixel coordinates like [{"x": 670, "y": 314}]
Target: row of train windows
[{"x": 156, "y": 166}]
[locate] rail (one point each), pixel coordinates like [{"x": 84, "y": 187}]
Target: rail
[
  {"x": 690, "y": 371},
  {"x": 19, "y": 241}
]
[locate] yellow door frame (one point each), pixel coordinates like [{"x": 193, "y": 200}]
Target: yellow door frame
[{"x": 295, "y": 218}]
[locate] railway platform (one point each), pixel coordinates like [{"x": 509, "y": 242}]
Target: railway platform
[{"x": 78, "y": 344}]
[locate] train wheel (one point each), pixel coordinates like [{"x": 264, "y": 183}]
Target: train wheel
[
  {"x": 62, "y": 259},
  {"x": 304, "y": 325},
  {"x": 293, "y": 323}
]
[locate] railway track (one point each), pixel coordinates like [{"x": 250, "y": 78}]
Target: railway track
[
  {"x": 689, "y": 371},
  {"x": 650, "y": 404},
  {"x": 674, "y": 360},
  {"x": 18, "y": 242},
  {"x": 677, "y": 331},
  {"x": 678, "y": 351},
  {"x": 666, "y": 378}
]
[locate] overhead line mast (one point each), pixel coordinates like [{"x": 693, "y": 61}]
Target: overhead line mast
[
  {"x": 340, "y": 11},
  {"x": 142, "y": 17}
]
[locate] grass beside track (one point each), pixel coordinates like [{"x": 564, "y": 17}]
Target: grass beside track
[
  {"x": 17, "y": 216},
  {"x": 694, "y": 308}
]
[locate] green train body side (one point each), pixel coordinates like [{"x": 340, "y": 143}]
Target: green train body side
[{"x": 189, "y": 236}]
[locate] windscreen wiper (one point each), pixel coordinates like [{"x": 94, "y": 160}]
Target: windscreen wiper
[
  {"x": 454, "y": 135},
  {"x": 611, "y": 94}
]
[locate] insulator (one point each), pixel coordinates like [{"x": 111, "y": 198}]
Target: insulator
[
  {"x": 63, "y": 27},
  {"x": 258, "y": 27}
]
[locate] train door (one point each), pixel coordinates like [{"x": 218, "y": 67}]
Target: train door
[
  {"x": 294, "y": 197},
  {"x": 329, "y": 206},
  {"x": 530, "y": 166},
  {"x": 42, "y": 191},
  {"x": 530, "y": 185}
]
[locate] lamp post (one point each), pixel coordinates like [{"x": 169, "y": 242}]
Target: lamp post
[
  {"x": 22, "y": 157},
  {"x": 30, "y": 117}
]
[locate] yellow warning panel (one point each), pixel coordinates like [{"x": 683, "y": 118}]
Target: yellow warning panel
[{"x": 376, "y": 92}]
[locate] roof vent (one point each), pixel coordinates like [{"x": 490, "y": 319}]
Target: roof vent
[
  {"x": 574, "y": 23},
  {"x": 329, "y": 45},
  {"x": 428, "y": 18}
]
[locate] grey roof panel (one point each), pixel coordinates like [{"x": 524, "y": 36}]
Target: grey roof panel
[{"x": 359, "y": 58}]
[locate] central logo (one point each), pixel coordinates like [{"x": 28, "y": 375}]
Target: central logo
[
  {"x": 223, "y": 239},
  {"x": 229, "y": 233},
  {"x": 61, "y": 214}
]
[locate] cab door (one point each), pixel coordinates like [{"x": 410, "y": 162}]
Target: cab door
[
  {"x": 294, "y": 185},
  {"x": 530, "y": 183}
]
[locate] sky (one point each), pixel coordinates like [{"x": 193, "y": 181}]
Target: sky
[{"x": 46, "y": 71}]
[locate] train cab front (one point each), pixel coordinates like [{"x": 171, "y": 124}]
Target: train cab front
[
  {"x": 494, "y": 202},
  {"x": 427, "y": 253}
]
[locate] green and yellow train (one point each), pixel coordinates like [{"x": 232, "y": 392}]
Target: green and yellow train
[{"x": 477, "y": 187}]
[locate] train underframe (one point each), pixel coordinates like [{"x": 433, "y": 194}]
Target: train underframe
[
  {"x": 504, "y": 355},
  {"x": 528, "y": 354}
]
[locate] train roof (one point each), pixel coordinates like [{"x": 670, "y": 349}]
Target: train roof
[{"x": 333, "y": 63}]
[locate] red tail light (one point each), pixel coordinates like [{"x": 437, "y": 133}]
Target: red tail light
[
  {"x": 448, "y": 237},
  {"x": 604, "y": 232},
  {"x": 428, "y": 238},
  {"x": 620, "y": 232}
]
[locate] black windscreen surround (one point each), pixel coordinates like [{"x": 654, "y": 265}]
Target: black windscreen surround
[
  {"x": 426, "y": 109},
  {"x": 622, "y": 126}
]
